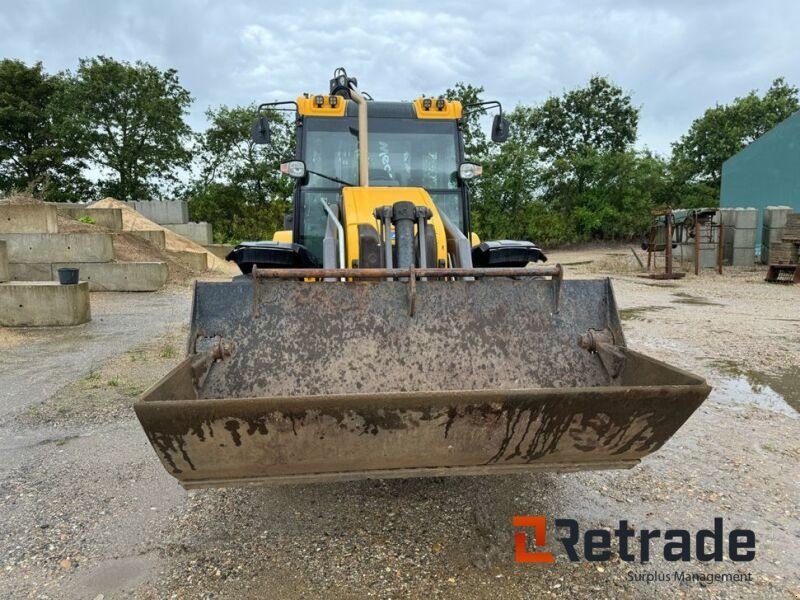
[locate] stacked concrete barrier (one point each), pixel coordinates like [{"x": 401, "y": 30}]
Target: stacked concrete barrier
[
  {"x": 4, "y": 275},
  {"x": 163, "y": 212},
  {"x": 739, "y": 248},
  {"x": 197, "y": 261},
  {"x": 744, "y": 238},
  {"x": 200, "y": 233},
  {"x": 31, "y": 255},
  {"x": 24, "y": 229},
  {"x": 119, "y": 276},
  {"x": 28, "y": 218},
  {"x": 108, "y": 218},
  {"x": 33, "y": 250},
  {"x": 174, "y": 215},
  {"x": 772, "y": 233},
  {"x": 43, "y": 304},
  {"x": 708, "y": 247},
  {"x": 157, "y": 237}
]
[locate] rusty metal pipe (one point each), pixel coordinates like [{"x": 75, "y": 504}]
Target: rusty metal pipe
[{"x": 551, "y": 271}]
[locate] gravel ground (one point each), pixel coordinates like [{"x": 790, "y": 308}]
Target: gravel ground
[{"x": 87, "y": 509}]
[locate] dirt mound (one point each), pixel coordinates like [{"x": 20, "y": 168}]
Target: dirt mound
[
  {"x": 69, "y": 225},
  {"x": 128, "y": 247},
  {"x": 134, "y": 221}
]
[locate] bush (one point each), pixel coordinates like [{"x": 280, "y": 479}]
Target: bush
[{"x": 235, "y": 216}]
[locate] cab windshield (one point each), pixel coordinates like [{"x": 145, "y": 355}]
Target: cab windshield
[{"x": 402, "y": 152}]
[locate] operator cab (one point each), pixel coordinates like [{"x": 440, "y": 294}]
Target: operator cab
[
  {"x": 415, "y": 144},
  {"x": 404, "y": 151}
]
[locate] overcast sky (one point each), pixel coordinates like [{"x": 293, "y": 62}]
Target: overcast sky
[{"x": 675, "y": 58}]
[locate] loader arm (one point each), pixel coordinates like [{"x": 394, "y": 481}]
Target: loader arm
[{"x": 375, "y": 340}]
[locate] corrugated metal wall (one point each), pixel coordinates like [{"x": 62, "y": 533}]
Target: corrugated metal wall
[{"x": 765, "y": 173}]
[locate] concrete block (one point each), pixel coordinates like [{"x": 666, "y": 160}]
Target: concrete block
[
  {"x": 746, "y": 218},
  {"x": 28, "y": 218},
  {"x": 743, "y": 257},
  {"x": 43, "y": 304},
  {"x": 120, "y": 276},
  {"x": 196, "y": 261},
  {"x": 200, "y": 233},
  {"x": 708, "y": 254},
  {"x": 727, "y": 216},
  {"x": 110, "y": 218},
  {"x": 58, "y": 247},
  {"x": 30, "y": 271},
  {"x": 4, "y": 272},
  {"x": 157, "y": 237},
  {"x": 744, "y": 238},
  {"x": 219, "y": 250},
  {"x": 162, "y": 212},
  {"x": 775, "y": 216}
]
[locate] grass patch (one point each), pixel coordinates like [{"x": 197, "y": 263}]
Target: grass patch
[
  {"x": 640, "y": 312},
  {"x": 88, "y": 220},
  {"x": 168, "y": 351},
  {"x": 108, "y": 391}
]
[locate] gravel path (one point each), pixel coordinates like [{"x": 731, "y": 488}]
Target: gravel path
[{"x": 87, "y": 508}]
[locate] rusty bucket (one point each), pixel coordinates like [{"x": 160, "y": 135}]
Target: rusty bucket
[{"x": 429, "y": 373}]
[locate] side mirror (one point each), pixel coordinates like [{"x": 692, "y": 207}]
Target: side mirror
[
  {"x": 500, "y": 129},
  {"x": 294, "y": 168},
  {"x": 468, "y": 171},
  {"x": 259, "y": 132}
]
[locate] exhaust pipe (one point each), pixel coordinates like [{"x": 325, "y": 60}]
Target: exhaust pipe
[{"x": 363, "y": 156}]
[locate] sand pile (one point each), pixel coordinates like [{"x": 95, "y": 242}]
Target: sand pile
[
  {"x": 129, "y": 247},
  {"x": 134, "y": 221}
]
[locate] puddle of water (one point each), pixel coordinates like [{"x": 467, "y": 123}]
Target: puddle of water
[
  {"x": 116, "y": 576},
  {"x": 684, "y": 298},
  {"x": 638, "y": 312},
  {"x": 771, "y": 391},
  {"x": 652, "y": 283}
]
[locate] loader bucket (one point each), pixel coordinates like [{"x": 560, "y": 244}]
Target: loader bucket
[{"x": 295, "y": 380}]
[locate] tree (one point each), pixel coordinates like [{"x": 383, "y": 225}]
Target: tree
[
  {"x": 723, "y": 130},
  {"x": 35, "y": 156},
  {"x": 130, "y": 119},
  {"x": 227, "y": 153},
  {"x": 570, "y": 131},
  {"x": 509, "y": 183},
  {"x": 240, "y": 189},
  {"x": 599, "y": 116},
  {"x": 234, "y": 214},
  {"x": 476, "y": 145}
]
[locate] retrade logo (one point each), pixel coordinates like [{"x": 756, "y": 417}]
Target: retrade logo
[
  {"x": 596, "y": 544},
  {"x": 521, "y": 552}
]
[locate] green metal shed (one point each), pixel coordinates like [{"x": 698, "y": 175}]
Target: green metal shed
[{"x": 765, "y": 173}]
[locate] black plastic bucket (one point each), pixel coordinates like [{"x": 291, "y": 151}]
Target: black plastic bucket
[{"x": 67, "y": 276}]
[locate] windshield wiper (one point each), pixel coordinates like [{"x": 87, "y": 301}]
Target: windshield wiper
[{"x": 331, "y": 178}]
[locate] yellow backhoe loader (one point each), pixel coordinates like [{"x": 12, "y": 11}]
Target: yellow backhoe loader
[{"x": 377, "y": 337}]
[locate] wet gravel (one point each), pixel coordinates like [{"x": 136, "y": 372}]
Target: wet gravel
[{"x": 87, "y": 508}]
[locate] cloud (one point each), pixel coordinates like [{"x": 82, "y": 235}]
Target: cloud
[{"x": 677, "y": 58}]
